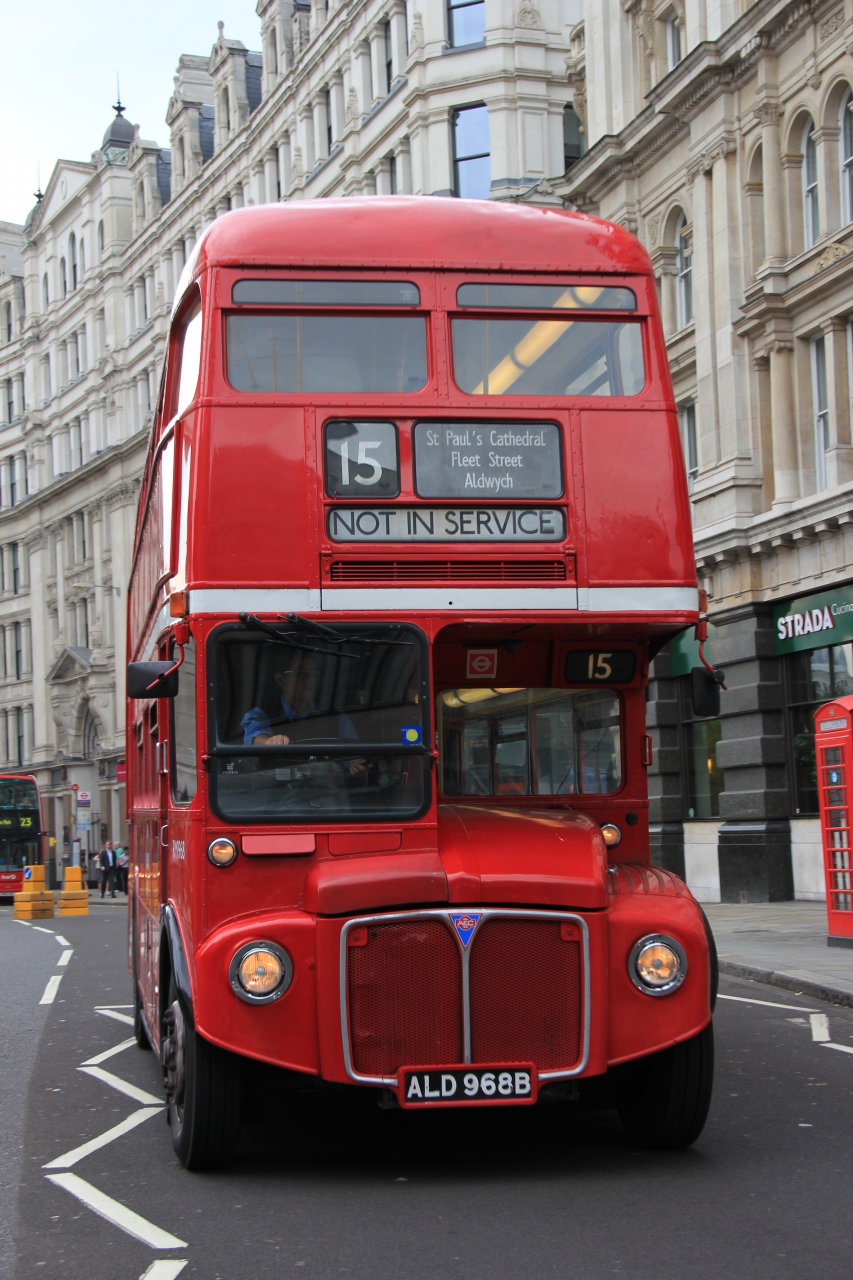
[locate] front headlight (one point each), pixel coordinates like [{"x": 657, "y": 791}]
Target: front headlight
[
  {"x": 657, "y": 965},
  {"x": 260, "y": 972}
]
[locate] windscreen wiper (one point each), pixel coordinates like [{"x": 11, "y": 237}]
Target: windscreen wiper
[
  {"x": 334, "y": 636},
  {"x": 249, "y": 620}
]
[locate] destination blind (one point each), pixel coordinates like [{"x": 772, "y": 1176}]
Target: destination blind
[
  {"x": 446, "y": 524},
  {"x": 480, "y": 460}
]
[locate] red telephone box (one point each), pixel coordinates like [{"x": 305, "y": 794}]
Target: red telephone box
[{"x": 834, "y": 759}]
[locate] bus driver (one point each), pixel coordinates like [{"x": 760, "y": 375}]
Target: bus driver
[{"x": 298, "y": 684}]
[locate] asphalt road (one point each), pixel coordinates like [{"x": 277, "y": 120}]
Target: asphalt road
[{"x": 331, "y": 1187}]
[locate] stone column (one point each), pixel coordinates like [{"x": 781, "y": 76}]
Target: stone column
[
  {"x": 60, "y": 533},
  {"x": 378, "y": 85},
  {"x": 664, "y": 263},
  {"x": 306, "y": 129},
  {"x": 285, "y": 175},
  {"x": 839, "y": 455},
  {"x": 773, "y": 193},
  {"x": 271, "y": 175},
  {"x": 704, "y": 311},
  {"x": 362, "y": 76},
  {"x": 403, "y": 153},
  {"x": 120, "y": 507},
  {"x": 96, "y": 515},
  {"x": 178, "y": 259},
  {"x": 754, "y": 840},
  {"x": 139, "y": 303},
  {"x": 399, "y": 39},
  {"x": 336, "y": 99},
  {"x": 18, "y": 394},
  {"x": 320, "y": 120},
  {"x": 826, "y": 143},
  {"x": 383, "y": 177},
  {"x": 786, "y": 474}
]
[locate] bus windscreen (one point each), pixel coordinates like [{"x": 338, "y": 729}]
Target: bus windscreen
[
  {"x": 529, "y": 742},
  {"x": 547, "y": 358},
  {"x": 314, "y": 353},
  {"x": 319, "y": 726}
]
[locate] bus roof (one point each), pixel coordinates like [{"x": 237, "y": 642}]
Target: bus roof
[{"x": 417, "y": 232}]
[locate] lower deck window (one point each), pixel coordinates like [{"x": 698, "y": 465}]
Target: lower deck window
[{"x": 528, "y": 742}]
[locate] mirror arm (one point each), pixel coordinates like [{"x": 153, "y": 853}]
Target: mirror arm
[
  {"x": 715, "y": 673},
  {"x": 181, "y": 637}
]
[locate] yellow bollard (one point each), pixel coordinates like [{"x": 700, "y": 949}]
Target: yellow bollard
[
  {"x": 74, "y": 899},
  {"x": 34, "y": 902}
]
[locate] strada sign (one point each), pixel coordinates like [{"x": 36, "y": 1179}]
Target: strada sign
[{"x": 815, "y": 621}]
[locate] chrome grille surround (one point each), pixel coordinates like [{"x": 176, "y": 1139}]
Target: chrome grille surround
[{"x": 445, "y": 914}]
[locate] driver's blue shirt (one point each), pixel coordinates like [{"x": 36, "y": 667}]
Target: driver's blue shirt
[{"x": 256, "y": 722}]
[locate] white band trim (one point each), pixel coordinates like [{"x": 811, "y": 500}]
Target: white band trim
[
  {"x": 254, "y": 600},
  {"x": 417, "y": 599}
]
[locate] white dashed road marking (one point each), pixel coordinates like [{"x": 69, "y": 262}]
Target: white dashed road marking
[
  {"x": 118, "y": 1214},
  {"x": 39, "y": 928},
  {"x": 769, "y": 1004},
  {"x": 820, "y": 1027},
  {"x": 129, "y": 1090},
  {"x": 65, "y": 957},
  {"x": 51, "y": 989},
  {"x": 95, "y": 1144},
  {"x": 108, "y": 1053},
  {"x": 63, "y": 941},
  {"x": 842, "y": 1048},
  {"x": 119, "y": 1017},
  {"x": 164, "y": 1269}
]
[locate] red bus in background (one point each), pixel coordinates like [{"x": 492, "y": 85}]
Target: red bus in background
[
  {"x": 413, "y": 523},
  {"x": 21, "y": 830}
]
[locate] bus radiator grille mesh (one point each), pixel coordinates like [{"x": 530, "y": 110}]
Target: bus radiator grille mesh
[
  {"x": 526, "y": 994},
  {"x": 405, "y": 998}
]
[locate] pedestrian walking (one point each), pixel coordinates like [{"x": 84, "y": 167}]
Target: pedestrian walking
[
  {"x": 122, "y": 863},
  {"x": 106, "y": 862}
]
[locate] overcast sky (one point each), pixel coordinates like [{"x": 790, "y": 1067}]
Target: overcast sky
[{"x": 59, "y": 76}]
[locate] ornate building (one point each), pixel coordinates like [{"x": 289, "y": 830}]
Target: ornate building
[{"x": 719, "y": 131}]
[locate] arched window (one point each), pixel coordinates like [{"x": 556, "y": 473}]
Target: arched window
[
  {"x": 180, "y": 161},
  {"x": 226, "y": 113},
  {"x": 82, "y": 257},
  {"x": 100, "y": 241},
  {"x": 684, "y": 275},
  {"x": 273, "y": 53},
  {"x": 63, "y": 278},
  {"x": 45, "y": 291},
  {"x": 845, "y": 137},
  {"x": 811, "y": 206},
  {"x": 8, "y": 325},
  {"x": 72, "y": 258}
]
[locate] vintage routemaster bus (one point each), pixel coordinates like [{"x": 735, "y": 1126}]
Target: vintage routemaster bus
[
  {"x": 21, "y": 830},
  {"x": 413, "y": 523}
]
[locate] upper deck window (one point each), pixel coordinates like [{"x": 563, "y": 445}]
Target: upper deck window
[
  {"x": 547, "y": 358},
  {"x": 326, "y": 293},
  {"x": 350, "y": 355},
  {"x": 546, "y": 297}
]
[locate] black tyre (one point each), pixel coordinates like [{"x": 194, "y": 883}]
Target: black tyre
[
  {"x": 139, "y": 1032},
  {"x": 203, "y": 1094},
  {"x": 663, "y": 1100}
]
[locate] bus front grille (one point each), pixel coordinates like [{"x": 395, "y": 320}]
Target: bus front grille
[
  {"x": 405, "y": 994},
  {"x": 449, "y": 570},
  {"x": 405, "y": 997}
]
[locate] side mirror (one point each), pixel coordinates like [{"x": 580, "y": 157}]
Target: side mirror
[
  {"x": 705, "y": 692},
  {"x": 141, "y": 675}
]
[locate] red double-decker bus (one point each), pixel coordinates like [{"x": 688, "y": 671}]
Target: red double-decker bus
[
  {"x": 413, "y": 523},
  {"x": 21, "y": 830}
]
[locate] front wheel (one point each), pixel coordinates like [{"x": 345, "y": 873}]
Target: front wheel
[
  {"x": 203, "y": 1094},
  {"x": 663, "y": 1100}
]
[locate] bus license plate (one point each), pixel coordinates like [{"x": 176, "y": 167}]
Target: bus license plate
[{"x": 513, "y": 1082}]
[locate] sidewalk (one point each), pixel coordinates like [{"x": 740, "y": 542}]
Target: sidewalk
[
  {"x": 784, "y": 944},
  {"x": 120, "y": 900}
]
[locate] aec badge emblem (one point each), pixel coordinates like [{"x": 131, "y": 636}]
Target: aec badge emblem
[{"x": 465, "y": 923}]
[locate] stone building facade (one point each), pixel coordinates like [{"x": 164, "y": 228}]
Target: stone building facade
[{"x": 719, "y": 131}]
